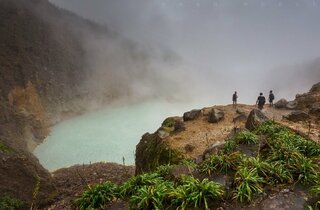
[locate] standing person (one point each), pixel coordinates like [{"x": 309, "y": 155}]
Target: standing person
[
  {"x": 234, "y": 99},
  {"x": 261, "y": 101},
  {"x": 271, "y": 98}
]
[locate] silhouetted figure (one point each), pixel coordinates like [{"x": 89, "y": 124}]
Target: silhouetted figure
[
  {"x": 234, "y": 99},
  {"x": 261, "y": 101},
  {"x": 271, "y": 98}
]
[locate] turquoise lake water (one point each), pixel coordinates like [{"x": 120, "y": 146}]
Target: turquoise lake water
[{"x": 105, "y": 135}]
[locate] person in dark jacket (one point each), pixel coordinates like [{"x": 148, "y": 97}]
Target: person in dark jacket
[
  {"x": 234, "y": 99},
  {"x": 261, "y": 101},
  {"x": 271, "y": 98}
]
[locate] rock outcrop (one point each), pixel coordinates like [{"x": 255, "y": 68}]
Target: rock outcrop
[
  {"x": 191, "y": 115},
  {"x": 153, "y": 151},
  {"x": 215, "y": 116},
  {"x": 281, "y": 104},
  {"x": 297, "y": 116},
  {"x": 255, "y": 118},
  {"x": 307, "y": 100}
]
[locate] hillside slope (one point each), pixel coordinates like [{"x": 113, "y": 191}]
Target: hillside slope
[{"x": 43, "y": 68}]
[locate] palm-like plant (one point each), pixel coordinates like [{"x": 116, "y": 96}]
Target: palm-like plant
[
  {"x": 247, "y": 182},
  {"x": 151, "y": 196},
  {"x": 133, "y": 184},
  {"x": 229, "y": 146},
  {"x": 246, "y": 137},
  {"x": 98, "y": 196},
  {"x": 193, "y": 192},
  {"x": 220, "y": 163}
]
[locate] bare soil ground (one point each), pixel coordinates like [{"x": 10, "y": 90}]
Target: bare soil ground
[
  {"x": 199, "y": 133},
  {"x": 72, "y": 181}
]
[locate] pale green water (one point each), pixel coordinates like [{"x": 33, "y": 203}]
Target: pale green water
[{"x": 105, "y": 135}]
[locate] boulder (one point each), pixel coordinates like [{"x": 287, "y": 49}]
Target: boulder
[
  {"x": 255, "y": 118},
  {"x": 153, "y": 151},
  {"x": 297, "y": 116},
  {"x": 281, "y": 104},
  {"x": 173, "y": 124},
  {"x": 215, "y": 116},
  {"x": 292, "y": 105},
  {"x": 191, "y": 115}
]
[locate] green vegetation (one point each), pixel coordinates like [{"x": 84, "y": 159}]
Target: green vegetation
[
  {"x": 4, "y": 148},
  {"x": 97, "y": 196},
  {"x": 169, "y": 122},
  {"x": 153, "y": 191},
  {"x": 10, "y": 203},
  {"x": 282, "y": 159},
  {"x": 195, "y": 193},
  {"x": 246, "y": 137},
  {"x": 229, "y": 146},
  {"x": 247, "y": 182},
  {"x": 220, "y": 163}
]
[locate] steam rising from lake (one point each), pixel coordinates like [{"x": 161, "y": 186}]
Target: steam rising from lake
[{"x": 106, "y": 135}]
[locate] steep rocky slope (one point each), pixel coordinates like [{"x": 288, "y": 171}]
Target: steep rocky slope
[{"x": 43, "y": 67}]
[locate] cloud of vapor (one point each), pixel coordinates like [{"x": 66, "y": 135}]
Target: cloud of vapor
[{"x": 205, "y": 48}]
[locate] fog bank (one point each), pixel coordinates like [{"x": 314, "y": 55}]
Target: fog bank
[{"x": 203, "y": 49}]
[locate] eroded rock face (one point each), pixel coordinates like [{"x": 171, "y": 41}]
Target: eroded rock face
[
  {"x": 215, "y": 115},
  {"x": 191, "y": 115},
  {"x": 307, "y": 100},
  {"x": 292, "y": 105},
  {"x": 297, "y": 116},
  {"x": 315, "y": 110},
  {"x": 255, "y": 118}
]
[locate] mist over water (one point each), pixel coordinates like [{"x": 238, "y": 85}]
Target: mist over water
[
  {"x": 174, "y": 55},
  {"x": 219, "y": 46},
  {"x": 106, "y": 135}
]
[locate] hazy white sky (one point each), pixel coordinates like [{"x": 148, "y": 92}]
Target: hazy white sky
[{"x": 235, "y": 42}]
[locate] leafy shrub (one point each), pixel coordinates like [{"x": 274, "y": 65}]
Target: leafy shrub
[
  {"x": 246, "y": 137},
  {"x": 268, "y": 128},
  {"x": 151, "y": 196},
  {"x": 279, "y": 173},
  {"x": 229, "y": 146},
  {"x": 98, "y": 196},
  {"x": 195, "y": 193},
  {"x": 10, "y": 203},
  {"x": 133, "y": 184},
  {"x": 163, "y": 170},
  {"x": 304, "y": 169},
  {"x": 220, "y": 163},
  {"x": 247, "y": 182}
]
